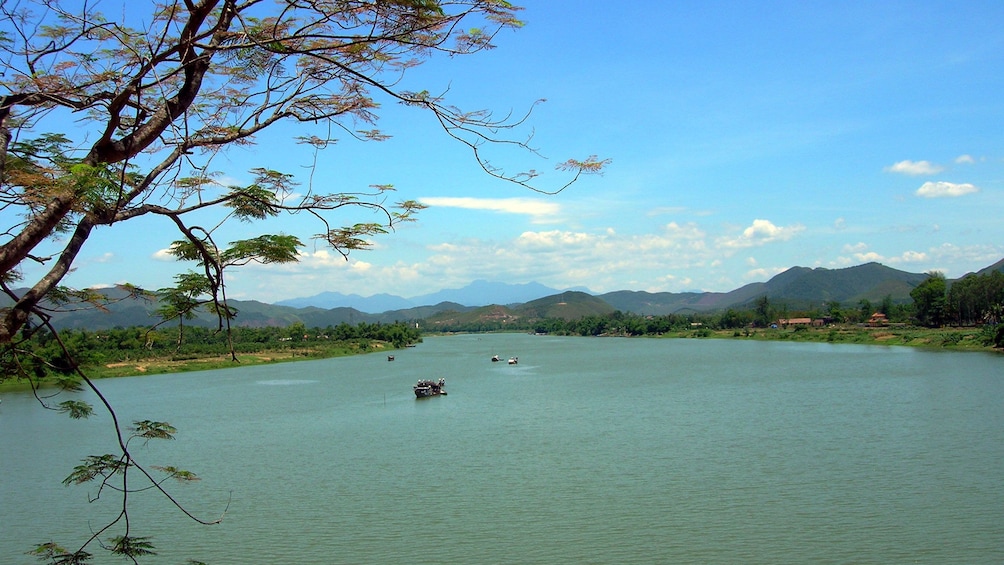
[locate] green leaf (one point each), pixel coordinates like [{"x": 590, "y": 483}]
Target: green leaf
[
  {"x": 349, "y": 238},
  {"x": 148, "y": 429},
  {"x": 95, "y": 466},
  {"x": 58, "y": 555},
  {"x": 179, "y": 474},
  {"x": 263, "y": 249},
  {"x": 253, "y": 203},
  {"x": 76, "y": 409},
  {"x": 132, "y": 546},
  {"x": 185, "y": 250}
]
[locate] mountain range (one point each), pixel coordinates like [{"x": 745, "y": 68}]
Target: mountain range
[
  {"x": 478, "y": 293},
  {"x": 797, "y": 288}
]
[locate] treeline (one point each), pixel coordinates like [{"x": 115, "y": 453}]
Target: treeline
[
  {"x": 88, "y": 347},
  {"x": 762, "y": 314},
  {"x": 975, "y": 300},
  {"x": 970, "y": 301}
]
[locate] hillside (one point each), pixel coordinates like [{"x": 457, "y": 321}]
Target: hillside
[
  {"x": 871, "y": 281},
  {"x": 998, "y": 266},
  {"x": 567, "y": 306},
  {"x": 660, "y": 303},
  {"x": 798, "y": 287},
  {"x": 487, "y": 317}
]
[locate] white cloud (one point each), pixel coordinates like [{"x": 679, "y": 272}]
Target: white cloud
[
  {"x": 980, "y": 255},
  {"x": 163, "y": 255},
  {"x": 360, "y": 266},
  {"x": 945, "y": 189},
  {"x": 910, "y": 257},
  {"x": 869, "y": 257},
  {"x": 859, "y": 253},
  {"x": 965, "y": 160},
  {"x": 763, "y": 273},
  {"x": 915, "y": 168},
  {"x": 685, "y": 231},
  {"x": 526, "y": 206},
  {"x": 553, "y": 239},
  {"x": 319, "y": 259},
  {"x": 443, "y": 247},
  {"x": 759, "y": 233},
  {"x": 675, "y": 257}
]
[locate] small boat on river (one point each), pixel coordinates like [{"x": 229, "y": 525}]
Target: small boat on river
[
  {"x": 427, "y": 388},
  {"x": 495, "y": 359},
  {"x": 513, "y": 360}
]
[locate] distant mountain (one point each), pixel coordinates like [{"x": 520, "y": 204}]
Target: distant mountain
[
  {"x": 566, "y": 305},
  {"x": 661, "y": 303},
  {"x": 469, "y": 315},
  {"x": 372, "y": 304},
  {"x": 478, "y": 293},
  {"x": 871, "y": 281},
  {"x": 422, "y": 312},
  {"x": 483, "y": 293},
  {"x": 998, "y": 266},
  {"x": 797, "y": 288}
]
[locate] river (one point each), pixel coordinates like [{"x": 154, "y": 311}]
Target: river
[{"x": 590, "y": 450}]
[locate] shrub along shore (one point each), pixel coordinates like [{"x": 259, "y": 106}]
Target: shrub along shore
[{"x": 961, "y": 339}]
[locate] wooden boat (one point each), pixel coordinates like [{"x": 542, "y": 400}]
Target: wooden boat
[{"x": 427, "y": 388}]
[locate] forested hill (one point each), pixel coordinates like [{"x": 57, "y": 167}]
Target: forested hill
[{"x": 798, "y": 287}]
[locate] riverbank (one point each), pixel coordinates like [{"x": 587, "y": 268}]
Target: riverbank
[
  {"x": 956, "y": 339},
  {"x": 176, "y": 364}
]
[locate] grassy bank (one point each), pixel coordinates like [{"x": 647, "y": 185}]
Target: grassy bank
[
  {"x": 183, "y": 364},
  {"x": 961, "y": 339}
]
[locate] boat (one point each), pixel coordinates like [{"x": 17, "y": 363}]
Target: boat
[
  {"x": 427, "y": 388},
  {"x": 495, "y": 359},
  {"x": 513, "y": 360},
  {"x": 390, "y": 357}
]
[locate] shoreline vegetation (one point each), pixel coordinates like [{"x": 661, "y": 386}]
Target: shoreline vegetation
[
  {"x": 205, "y": 362},
  {"x": 954, "y": 339},
  {"x": 136, "y": 351}
]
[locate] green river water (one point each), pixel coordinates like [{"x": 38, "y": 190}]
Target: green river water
[{"x": 589, "y": 451}]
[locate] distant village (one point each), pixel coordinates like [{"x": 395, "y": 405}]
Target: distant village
[{"x": 877, "y": 319}]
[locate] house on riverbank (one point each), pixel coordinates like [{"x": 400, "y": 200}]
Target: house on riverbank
[{"x": 785, "y": 322}]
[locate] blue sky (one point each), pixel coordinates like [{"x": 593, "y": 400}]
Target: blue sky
[{"x": 745, "y": 137}]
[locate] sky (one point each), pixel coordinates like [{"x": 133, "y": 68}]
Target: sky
[{"x": 744, "y": 138}]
